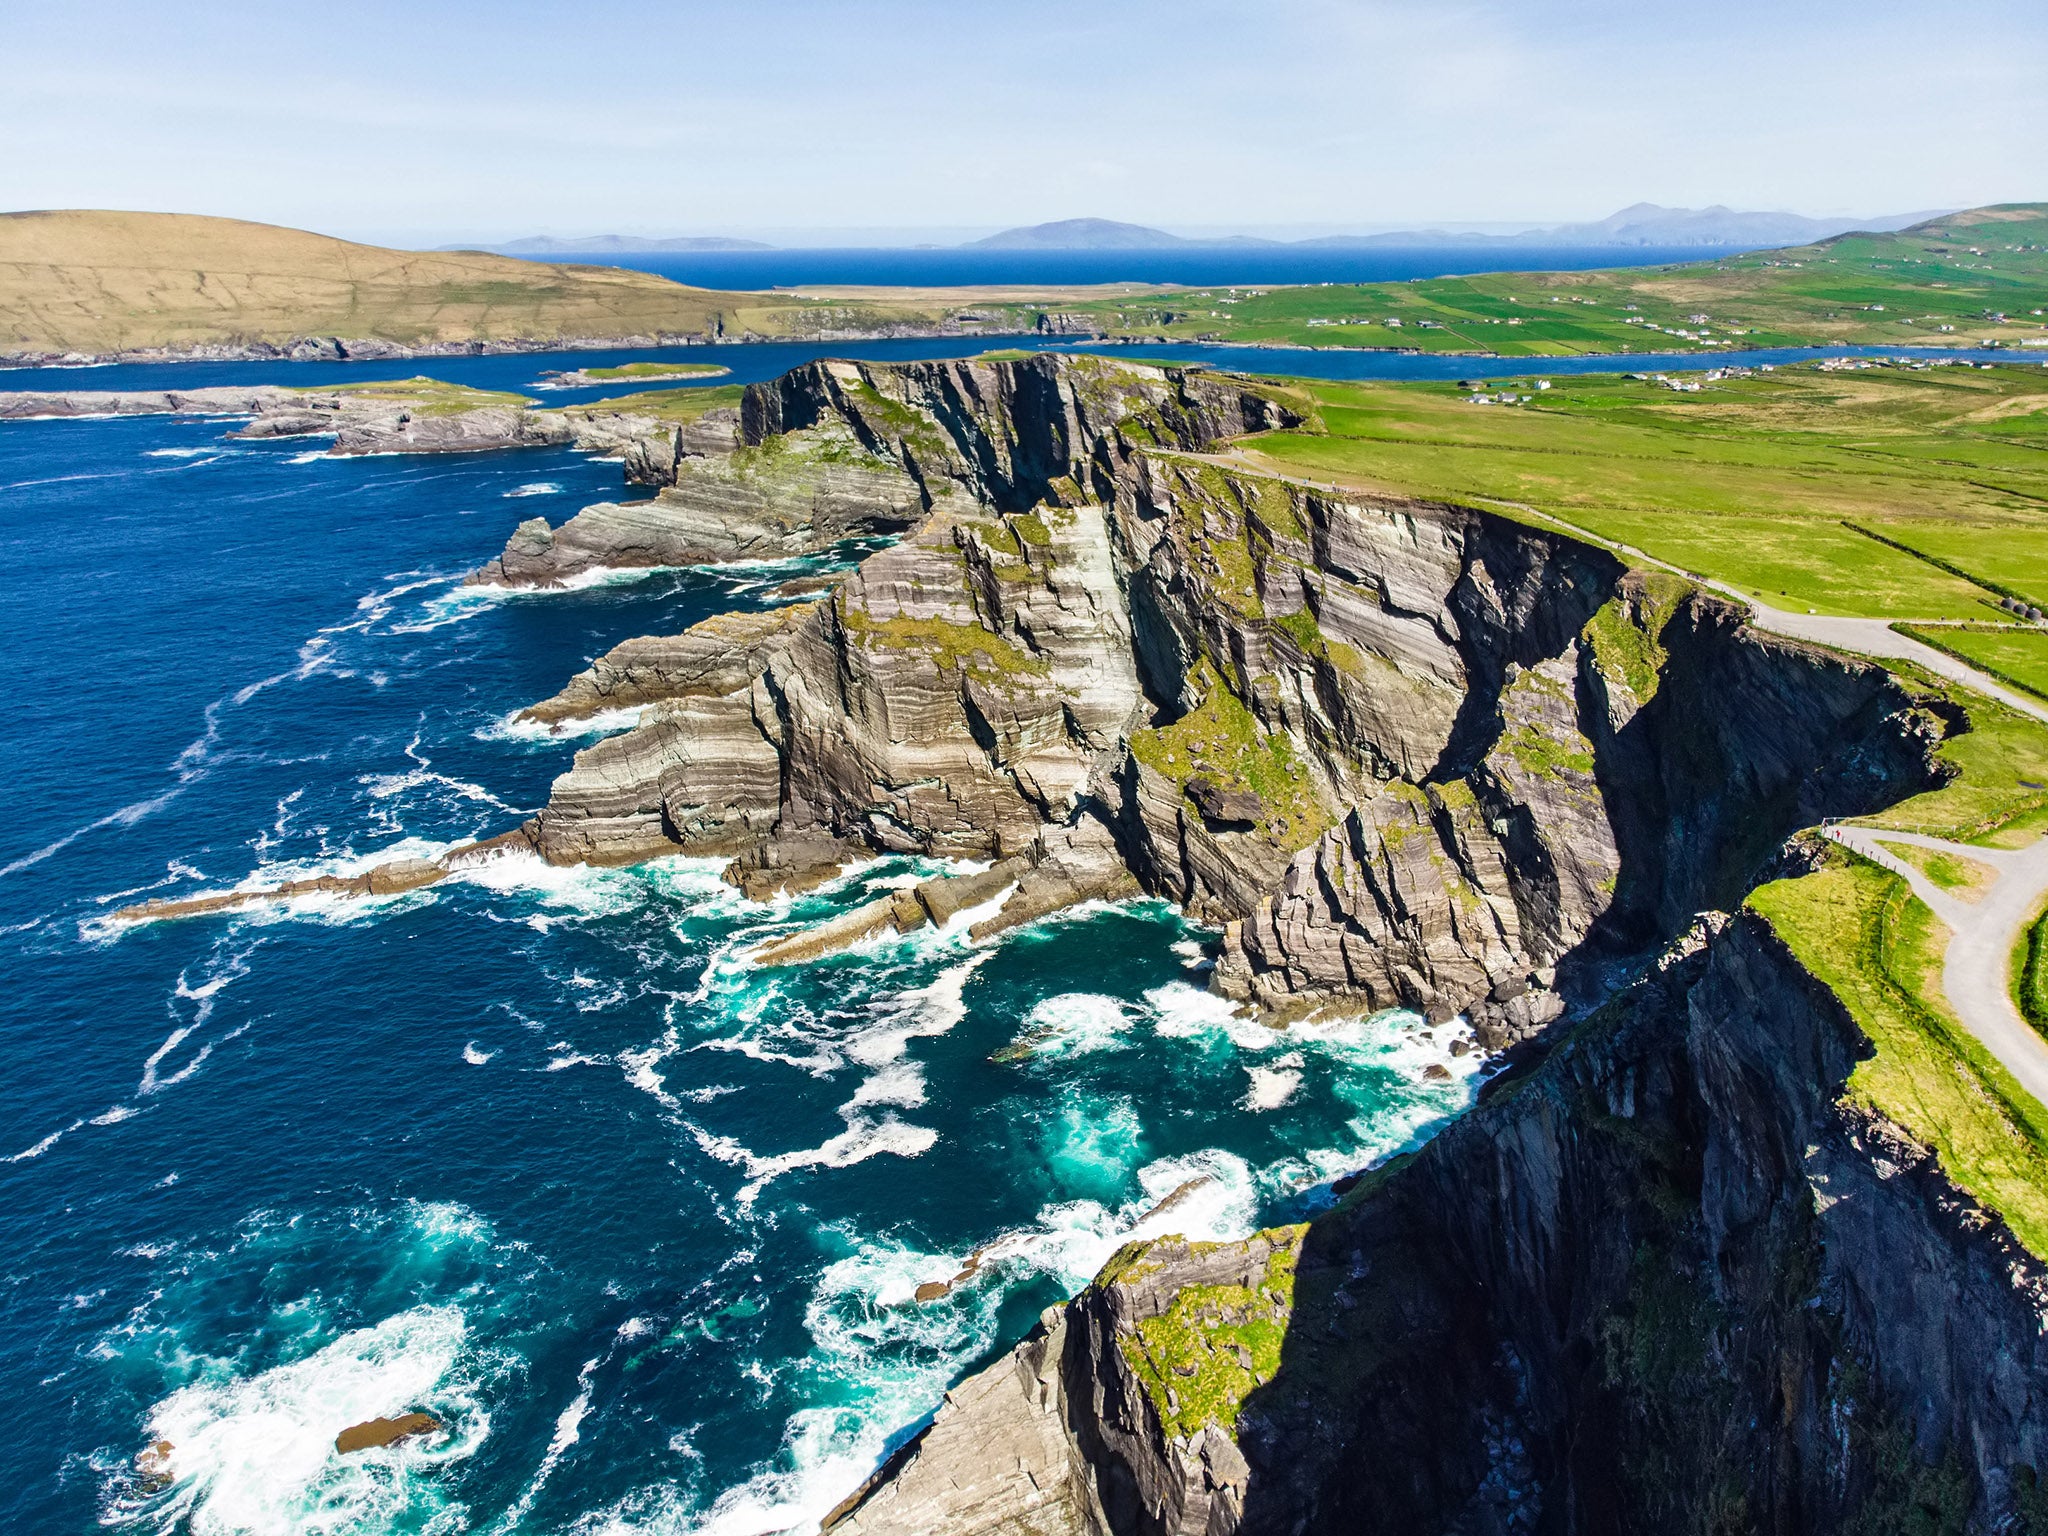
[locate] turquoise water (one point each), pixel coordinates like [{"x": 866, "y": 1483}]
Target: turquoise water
[{"x": 534, "y": 1151}]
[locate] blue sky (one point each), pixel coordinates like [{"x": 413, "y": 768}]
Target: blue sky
[{"x": 422, "y": 122}]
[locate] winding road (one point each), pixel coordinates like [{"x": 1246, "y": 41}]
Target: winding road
[{"x": 1982, "y": 935}]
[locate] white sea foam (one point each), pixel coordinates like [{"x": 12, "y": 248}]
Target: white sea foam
[
  {"x": 583, "y": 891},
  {"x": 49, "y": 1141},
  {"x": 256, "y": 1453},
  {"x": 177, "y": 453},
  {"x": 1183, "y": 1012},
  {"x": 536, "y": 488},
  {"x": 1271, "y": 1087},
  {"x": 863, "y": 1138},
  {"x": 900, "y": 1084},
  {"x": 313, "y": 457},
  {"x": 576, "y": 581},
  {"x": 1075, "y": 1024},
  {"x": 932, "y": 1009},
  {"x": 604, "y": 722},
  {"x": 475, "y": 1057},
  {"x": 568, "y": 1430}
]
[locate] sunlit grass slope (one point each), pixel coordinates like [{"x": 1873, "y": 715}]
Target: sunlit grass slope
[
  {"x": 1889, "y": 492},
  {"x": 93, "y": 281},
  {"x": 1965, "y": 278}
]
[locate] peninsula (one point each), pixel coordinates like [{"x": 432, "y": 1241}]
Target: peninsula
[{"x": 1416, "y": 723}]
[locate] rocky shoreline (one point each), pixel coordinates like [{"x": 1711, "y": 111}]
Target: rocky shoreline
[
  {"x": 371, "y": 349},
  {"x": 416, "y": 416},
  {"x": 1404, "y": 754}
]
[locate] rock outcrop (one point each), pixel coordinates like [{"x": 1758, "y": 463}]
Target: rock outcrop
[
  {"x": 374, "y": 1434},
  {"x": 798, "y": 495},
  {"x": 415, "y": 416}
]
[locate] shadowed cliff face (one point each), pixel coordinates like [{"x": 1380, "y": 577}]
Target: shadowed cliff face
[{"x": 1671, "y": 1281}]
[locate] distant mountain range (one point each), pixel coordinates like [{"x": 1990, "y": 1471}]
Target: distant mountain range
[
  {"x": 1643, "y": 224},
  {"x": 1088, "y": 235}
]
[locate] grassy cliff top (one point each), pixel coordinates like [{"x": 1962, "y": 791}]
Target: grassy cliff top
[
  {"x": 1940, "y": 282},
  {"x": 679, "y": 406},
  {"x": 98, "y": 281},
  {"x": 1908, "y": 492},
  {"x": 628, "y": 372}
]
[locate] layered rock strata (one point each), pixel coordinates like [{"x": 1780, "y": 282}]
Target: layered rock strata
[
  {"x": 1674, "y": 1275},
  {"x": 1405, "y": 754}
]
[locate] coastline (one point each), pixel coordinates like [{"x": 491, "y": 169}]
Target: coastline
[
  {"x": 371, "y": 349},
  {"x": 376, "y": 350}
]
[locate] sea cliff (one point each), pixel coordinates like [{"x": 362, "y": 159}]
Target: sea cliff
[{"x": 1670, "y": 1273}]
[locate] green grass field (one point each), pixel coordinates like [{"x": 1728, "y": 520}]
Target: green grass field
[
  {"x": 1857, "y": 927},
  {"x": 2029, "y": 974},
  {"x": 2012, "y": 655},
  {"x": 1893, "y": 492},
  {"x": 680, "y": 406},
  {"x": 1754, "y": 480},
  {"x": 1938, "y": 283}
]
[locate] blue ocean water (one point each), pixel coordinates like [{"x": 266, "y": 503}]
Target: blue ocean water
[
  {"x": 955, "y": 266},
  {"x": 754, "y": 362},
  {"x": 533, "y": 1151}
]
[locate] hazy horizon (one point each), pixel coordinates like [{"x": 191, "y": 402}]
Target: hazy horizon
[{"x": 800, "y": 237}]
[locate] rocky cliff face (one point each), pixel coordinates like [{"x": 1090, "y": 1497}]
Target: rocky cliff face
[
  {"x": 1669, "y": 1277},
  {"x": 1405, "y": 754}
]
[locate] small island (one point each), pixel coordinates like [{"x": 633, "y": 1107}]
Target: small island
[{"x": 634, "y": 373}]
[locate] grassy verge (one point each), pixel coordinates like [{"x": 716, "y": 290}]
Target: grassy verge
[
  {"x": 2016, "y": 657},
  {"x": 1946, "y": 870},
  {"x": 2030, "y": 974},
  {"x": 1858, "y": 929},
  {"x": 1997, "y": 794}
]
